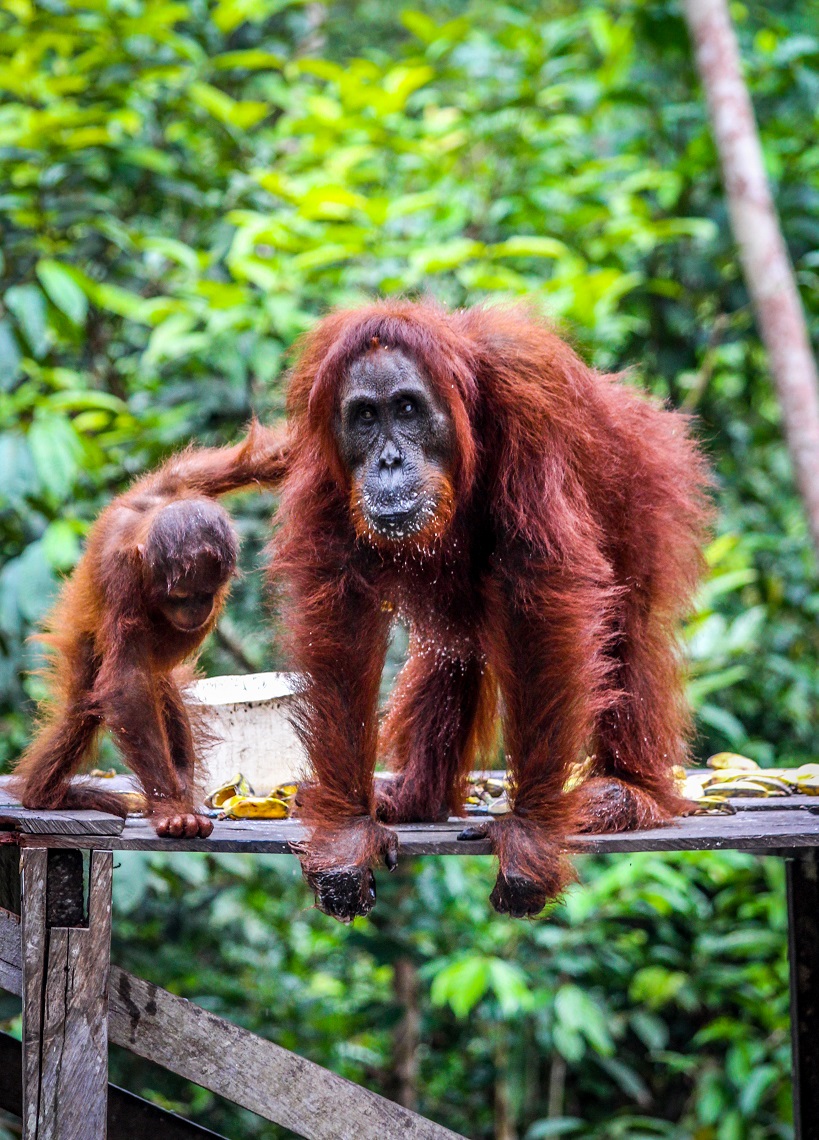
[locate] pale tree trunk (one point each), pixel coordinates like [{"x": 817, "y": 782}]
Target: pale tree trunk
[{"x": 768, "y": 272}]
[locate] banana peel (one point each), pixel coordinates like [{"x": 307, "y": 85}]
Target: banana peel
[
  {"x": 237, "y": 786},
  {"x": 236, "y": 800},
  {"x": 135, "y": 802},
  {"x": 255, "y": 807},
  {"x": 730, "y": 780},
  {"x": 732, "y": 760},
  {"x": 728, "y": 776}
]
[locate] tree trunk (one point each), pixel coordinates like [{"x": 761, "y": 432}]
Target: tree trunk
[
  {"x": 407, "y": 1034},
  {"x": 505, "y": 1115},
  {"x": 767, "y": 268}
]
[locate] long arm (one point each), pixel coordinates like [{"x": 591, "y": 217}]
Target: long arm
[
  {"x": 338, "y": 639},
  {"x": 260, "y": 460},
  {"x": 133, "y": 702},
  {"x": 548, "y": 651}
]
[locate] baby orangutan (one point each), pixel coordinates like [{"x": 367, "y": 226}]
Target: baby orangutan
[{"x": 146, "y": 593}]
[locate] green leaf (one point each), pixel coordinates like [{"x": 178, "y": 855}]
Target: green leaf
[
  {"x": 57, "y": 453},
  {"x": 61, "y": 544},
  {"x": 28, "y": 306},
  {"x": 462, "y": 984},
  {"x": 250, "y": 60},
  {"x": 10, "y": 357},
  {"x": 508, "y": 982},
  {"x": 63, "y": 290},
  {"x": 528, "y": 247},
  {"x": 557, "y": 1126},
  {"x": 35, "y": 581}
]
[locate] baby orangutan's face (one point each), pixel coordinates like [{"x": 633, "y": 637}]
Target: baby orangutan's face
[
  {"x": 188, "y": 611},
  {"x": 189, "y": 603}
]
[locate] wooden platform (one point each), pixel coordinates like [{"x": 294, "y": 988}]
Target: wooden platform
[
  {"x": 54, "y": 938},
  {"x": 766, "y": 826}
]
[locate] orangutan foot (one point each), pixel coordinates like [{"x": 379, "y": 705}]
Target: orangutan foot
[
  {"x": 337, "y": 864},
  {"x": 345, "y": 893},
  {"x": 606, "y": 804},
  {"x": 533, "y": 870},
  {"x": 183, "y": 825},
  {"x": 517, "y": 896}
]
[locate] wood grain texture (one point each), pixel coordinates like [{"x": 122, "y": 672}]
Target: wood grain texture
[
  {"x": 65, "y": 1001},
  {"x": 13, "y": 817},
  {"x": 250, "y": 1071},
  {"x": 129, "y": 1116},
  {"x": 788, "y": 818},
  {"x": 762, "y": 831},
  {"x": 11, "y": 954},
  {"x": 33, "y": 869},
  {"x": 238, "y": 1065}
]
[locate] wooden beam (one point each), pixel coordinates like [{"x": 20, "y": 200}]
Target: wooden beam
[
  {"x": 14, "y": 817},
  {"x": 130, "y": 1117},
  {"x": 253, "y": 1072},
  {"x": 65, "y": 997},
  {"x": 803, "y": 941},
  {"x": 784, "y": 826}
]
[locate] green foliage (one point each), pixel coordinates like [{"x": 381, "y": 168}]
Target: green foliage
[
  {"x": 657, "y": 990},
  {"x": 185, "y": 188}
]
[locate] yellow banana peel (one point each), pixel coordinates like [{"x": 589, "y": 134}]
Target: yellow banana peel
[{"x": 255, "y": 807}]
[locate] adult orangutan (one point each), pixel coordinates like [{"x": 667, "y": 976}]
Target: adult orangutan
[
  {"x": 538, "y": 526},
  {"x": 142, "y": 599}
]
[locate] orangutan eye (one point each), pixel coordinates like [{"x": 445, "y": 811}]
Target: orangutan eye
[
  {"x": 366, "y": 414},
  {"x": 407, "y": 408}
]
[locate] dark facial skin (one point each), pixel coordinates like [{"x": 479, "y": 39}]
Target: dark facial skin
[
  {"x": 395, "y": 437},
  {"x": 189, "y": 603}
]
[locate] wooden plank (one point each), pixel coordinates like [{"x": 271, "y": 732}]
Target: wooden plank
[
  {"x": 130, "y": 1117},
  {"x": 760, "y": 831},
  {"x": 13, "y": 817},
  {"x": 803, "y": 942},
  {"x": 252, "y": 1072},
  {"x": 9, "y": 875},
  {"x": 11, "y": 973},
  {"x": 33, "y": 868},
  {"x": 65, "y": 897},
  {"x": 65, "y": 1001}
]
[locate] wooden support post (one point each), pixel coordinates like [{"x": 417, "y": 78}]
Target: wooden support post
[
  {"x": 803, "y": 932},
  {"x": 65, "y": 995}
]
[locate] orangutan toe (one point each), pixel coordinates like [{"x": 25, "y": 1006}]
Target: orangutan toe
[{"x": 183, "y": 825}]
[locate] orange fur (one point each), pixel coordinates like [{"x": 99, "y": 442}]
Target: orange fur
[
  {"x": 116, "y": 661},
  {"x": 553, "y": 589}
]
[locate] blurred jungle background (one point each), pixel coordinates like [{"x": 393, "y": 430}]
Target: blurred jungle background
[{"x": 185, "y": 185}]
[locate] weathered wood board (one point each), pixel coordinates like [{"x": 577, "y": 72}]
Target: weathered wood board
[
  {"x": 65, "y": 1001},
  {"x": 763, "y": 831},
  {"x": 129, "y": 1116}
]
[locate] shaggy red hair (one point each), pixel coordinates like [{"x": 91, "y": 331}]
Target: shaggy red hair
[{"x": 554, "y": 592}]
